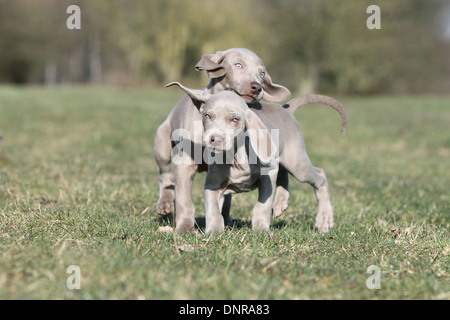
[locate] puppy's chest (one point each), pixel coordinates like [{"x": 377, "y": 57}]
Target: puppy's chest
[{"x": 242, "y": 178}]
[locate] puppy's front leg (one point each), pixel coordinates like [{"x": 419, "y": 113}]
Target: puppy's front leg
[
  {"x": 185, "y": 209},
  {"x": 262, "y": 211},
  {"x": 214, "y": 218}
]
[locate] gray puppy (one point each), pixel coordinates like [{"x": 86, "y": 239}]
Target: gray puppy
[{"x": 238, "y": 164}]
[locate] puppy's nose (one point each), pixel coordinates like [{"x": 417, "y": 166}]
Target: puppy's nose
[
  {"x": 215, "y": 139},
  {"x": 255, "y": 87}
]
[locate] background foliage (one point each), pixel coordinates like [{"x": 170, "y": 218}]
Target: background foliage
[
  {"x": 78, "y": 184},
  {"x": 307, "y": 45}
]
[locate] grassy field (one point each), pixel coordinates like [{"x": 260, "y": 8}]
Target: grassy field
[{"x": 78, "y": 186}]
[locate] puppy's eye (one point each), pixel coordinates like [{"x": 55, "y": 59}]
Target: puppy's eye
[
  {"x": 207, "y": 116},
  {"x": 238, "y": 65},
  {"x": 263, "y": 74},
  {"x": 235, "y": 120}
]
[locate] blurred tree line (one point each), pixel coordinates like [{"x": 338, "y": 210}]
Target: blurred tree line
[{"x": 307, "y": 45}]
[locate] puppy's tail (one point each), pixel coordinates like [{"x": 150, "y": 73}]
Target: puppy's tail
[{"x": 298, "y": 102}]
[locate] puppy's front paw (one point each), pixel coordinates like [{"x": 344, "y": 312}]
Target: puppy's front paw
[
  {"x": 165, "y": 206},
  {"x": 280, "y": 204}
]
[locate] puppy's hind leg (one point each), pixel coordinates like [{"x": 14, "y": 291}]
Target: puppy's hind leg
[
  {"x": 303, "y": 171},
  {"x": 325, "y": 213},
  {"x": 225, "y": 204},
  {"x": 162, "y": 150}
]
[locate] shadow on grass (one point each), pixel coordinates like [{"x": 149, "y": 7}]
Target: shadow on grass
[
  {"x": 242, "y": 224},
  {"x": 200, "y": 223}
]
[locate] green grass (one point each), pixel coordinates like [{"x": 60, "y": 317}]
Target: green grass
[{"x": 78, "y": 186}]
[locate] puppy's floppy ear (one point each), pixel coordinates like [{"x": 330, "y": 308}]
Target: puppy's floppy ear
[
  {"x": 212, "y": 63},
  {"x": 198, "y": 96},
  {"x": 274, "y": 92},
  {"x": 260, "y": 138}
]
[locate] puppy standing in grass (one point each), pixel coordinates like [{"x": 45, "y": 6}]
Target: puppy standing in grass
[{"x": 226, "y": 117}]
